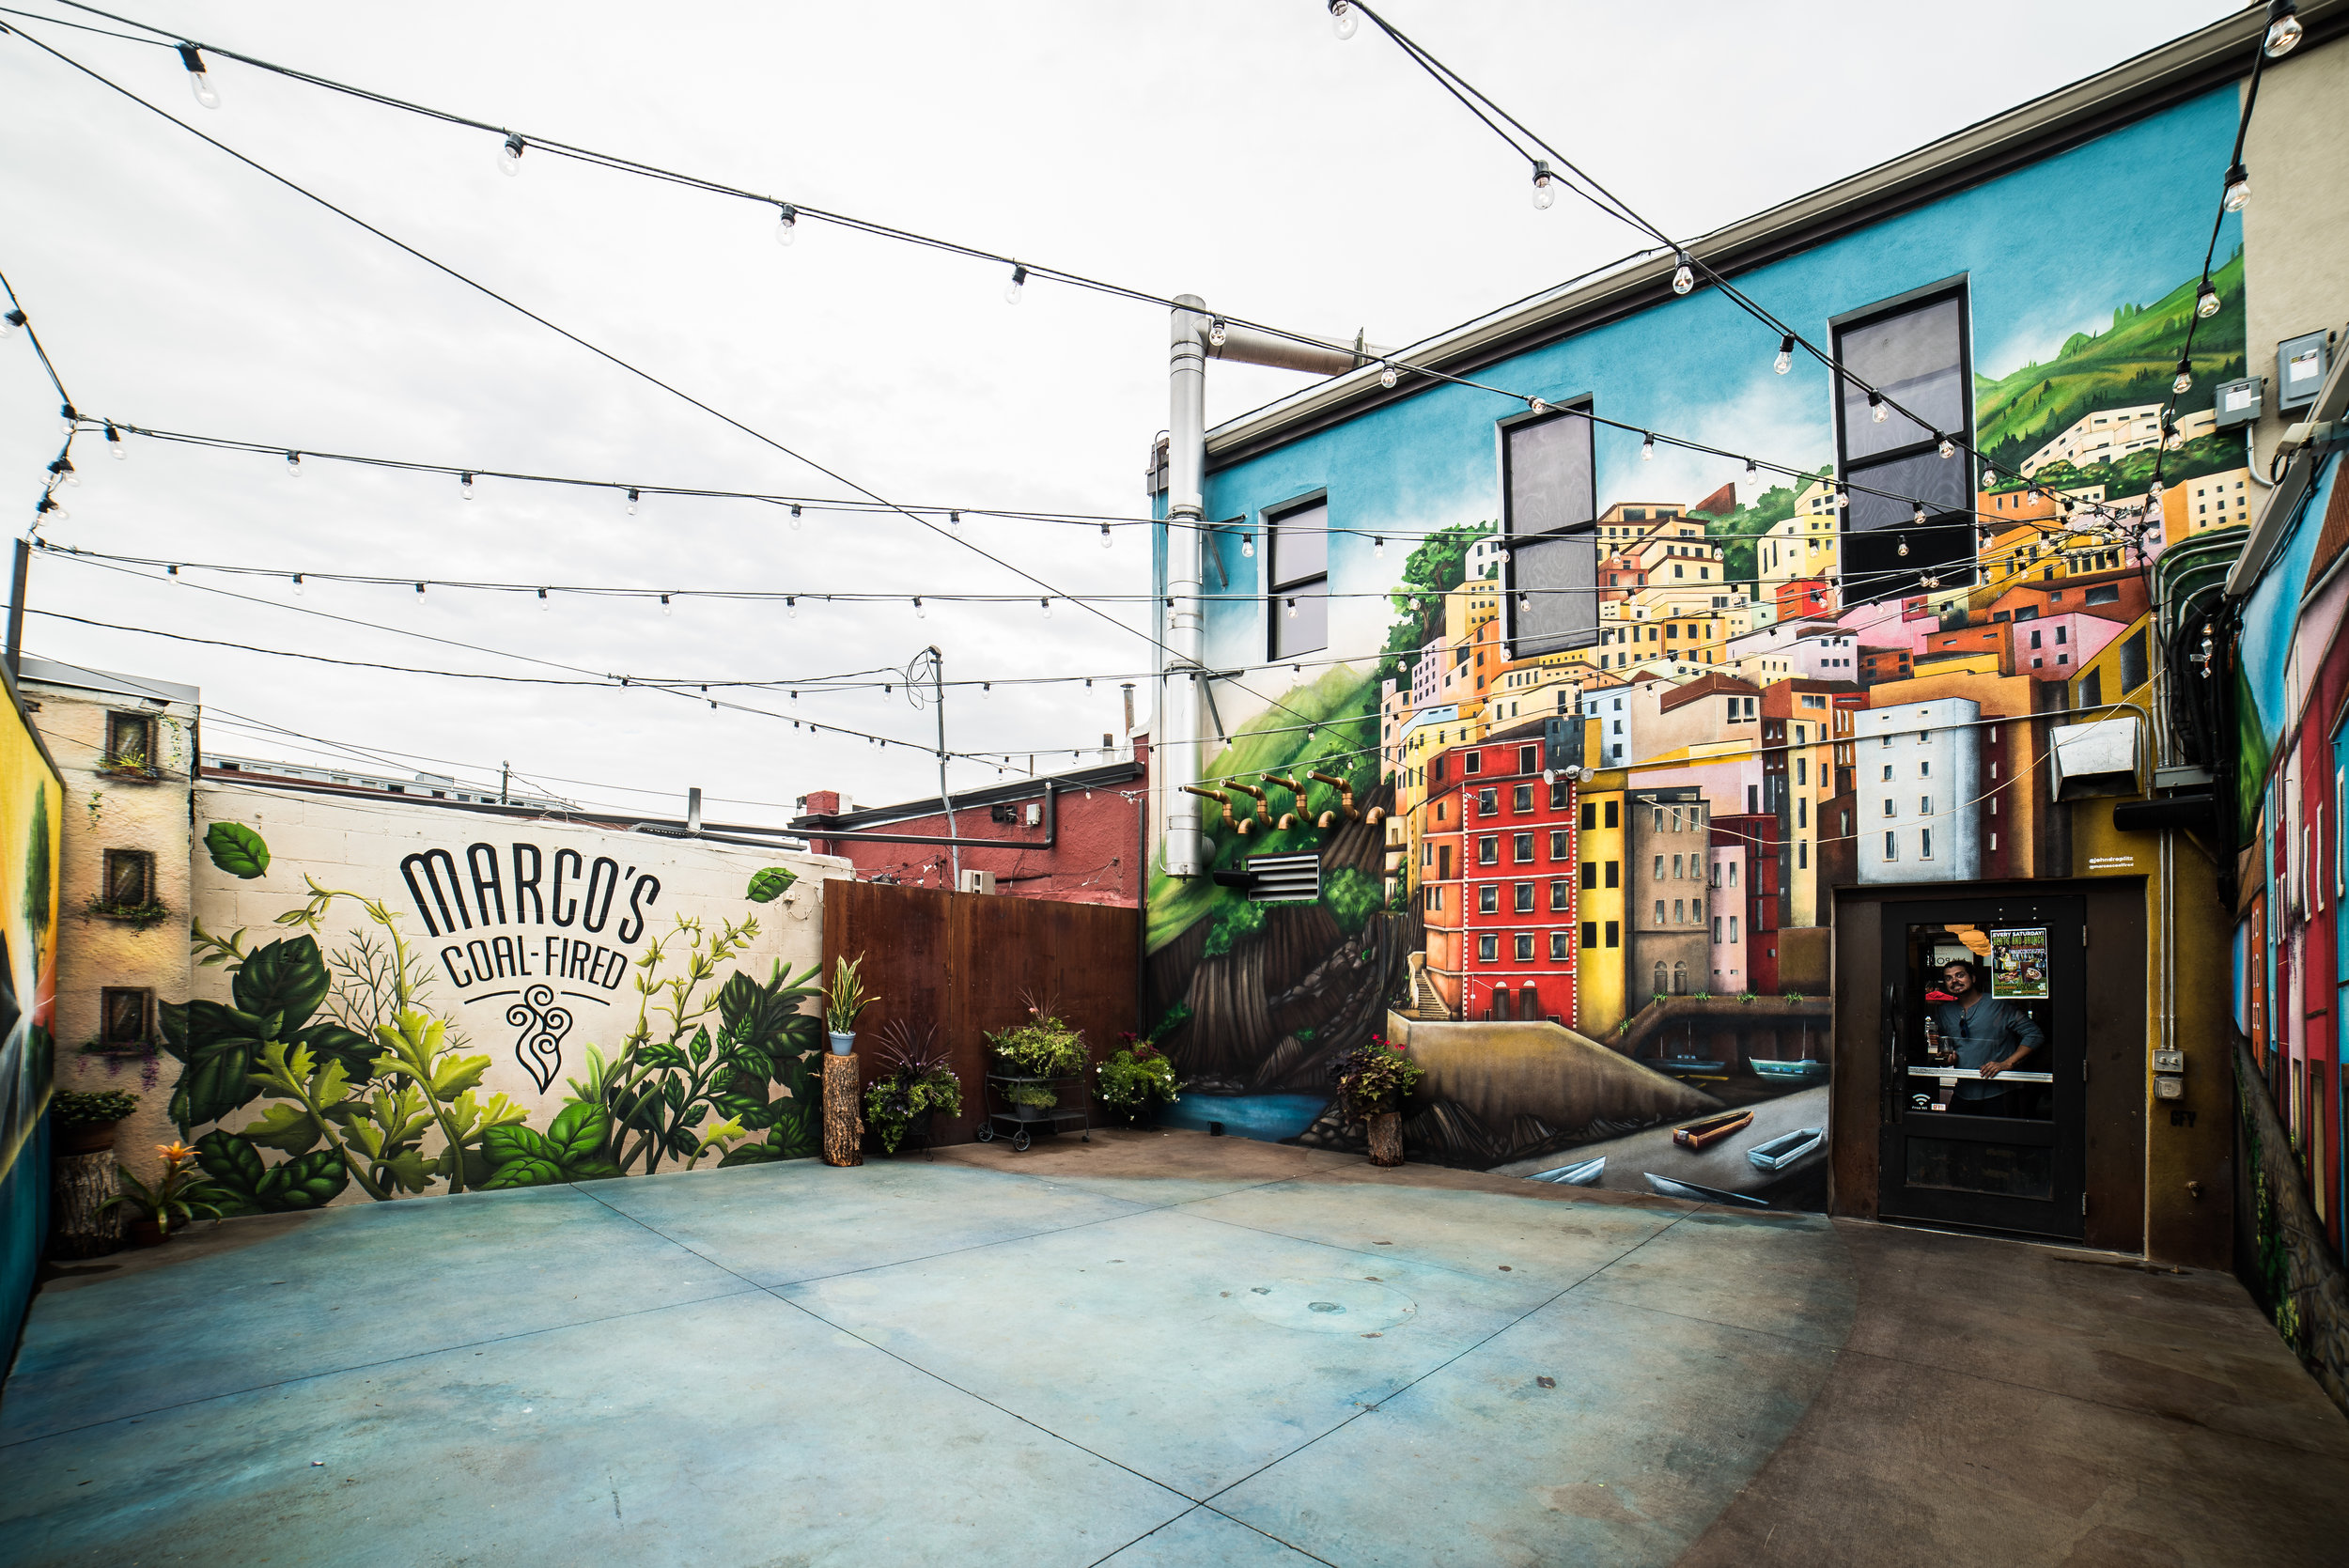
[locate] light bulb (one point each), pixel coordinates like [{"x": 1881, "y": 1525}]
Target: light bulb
[
  {"x": 1292, "y": 610},
  {"x": 1683, "y": 277},
  {"x": 633, "y": 499},
  {"x": 1342, "y": 20},
  {"x": 1048, "y": 608},
  {"x": 2206, "y": 301},
  {"x": 1106, "y": 541},
  {"x": 2153, "y": 493},
  {"x": 1785, "y": 360},
  {"x": 69, "y": 419},
  {"x": 2031, "y": 495},
  {"x": 511, "y": 155},
  {"x": 1378, "y": 550},
  {"x": 2183, "y": 381},
  {"x": 199, "y": 81},
  {"x": 987, "y": 689},
  {"x": 1018, "y": 282},
  {"x": 1877, "y": 410},
  {"x": 2283, "y": 29},
  {"x": 1248, "y": 544},
  {"x": 1647, "y": 448},
  {"x": 2238, "y": 188},
  {"x": 420, "y": 592},
  {"x": 297, "y": 584},
  {"x": 665, "y": 604},
  {"x": 464, "y": 485},
  {"x": 1904, "y": 550},
  {"x": 786, "y": 222},
  {"x": 116, "y": 445},
  {"x": 294, "y": 465},
  {"x": 791, "y": 609},
  {"x": 1525, "y": 602},
  {"x": 1949, "y": 449},
  {"x": 1387, "y": 377},
  {"x": 1920, "y": 517},
  {"x": 919, "y": 613},
  {"x": 1534, "y": 405},
  {"x": 47, "y": 507},
  {"x": 1217, "y": 332},
  {"x": 542, "y": 602},
  {"x": 795, "y": 515},
  {"x": 953, "y": 520},
  {"x": 9, "y": 322},
  {"x": 1544, "y": 189},
  {"x": 1843, "y": 499},
  {"x": 61, "y": 472}
]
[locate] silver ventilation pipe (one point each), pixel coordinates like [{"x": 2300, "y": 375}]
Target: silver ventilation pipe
[{"x": 1186, "y": 509}]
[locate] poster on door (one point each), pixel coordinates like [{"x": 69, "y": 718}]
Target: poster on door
[{"x": 2018, "y": 961}]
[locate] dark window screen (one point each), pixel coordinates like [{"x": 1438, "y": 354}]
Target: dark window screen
[
  {"x": 1916, "y": 359},
  {"x": 1916, "y": 356},
  {"x": 1553, "y": 541},
  {"x": 1299, "y": 577},
  {"x": 2133, "y": 668}
]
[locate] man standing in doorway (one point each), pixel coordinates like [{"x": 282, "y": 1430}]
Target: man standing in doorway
[{"x": 1989, "y": 1036}]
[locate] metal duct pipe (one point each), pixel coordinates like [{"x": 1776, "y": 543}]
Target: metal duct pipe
[
  {"x": 1248, "y": 346},
  {"x": 1186, "y": 509}
]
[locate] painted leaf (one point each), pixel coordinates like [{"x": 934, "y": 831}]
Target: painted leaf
[
  {"x": 234, "y": 1166},
  {"x": 592, "y": 1171},
  {"x": 749, "y": 1154},
  {"x": 796, "y": 1134},
  {"x": 577, "y": 1135},
  {"x": 503, "y": 1145},
  {"x": 171, "y": 1020},
  {"x": 409, "y": 1170},
  {"x": 523, "y": 1173},
  {"x": 215, "y": 1084},
  {"x": 310, "y": 1182},
  {"x": 453, "y": 1075},
  {"x": 768, "y": 885},
  {"x": 286, "y": 977},
  {"x": 286, "y": 1126},
  {"x": 237, "y": 850},
  {"x": 333, "y": 1042}
]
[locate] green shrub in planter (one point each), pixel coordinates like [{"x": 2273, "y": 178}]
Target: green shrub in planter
[
  {"x": 1037, "y": 1095},
  {"x": 90, "y": 1111},
  {"x": 915, "y": 1083},
  {"x": 1136, "y": 1080},
  {"x": 1375, "y": 1079},
  {"x": 1042, "y": 1047}
]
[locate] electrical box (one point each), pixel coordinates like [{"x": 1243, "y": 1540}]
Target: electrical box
[
  {"x": 977, "y": 881},
  {"x": 2167, "y": 1088},
  {"x": 2300, "y": 365},
  {"x": 2169, "y": 1062},
  {"x": 1034, "y": 814},
  {"x": 2240, "y": 403}
]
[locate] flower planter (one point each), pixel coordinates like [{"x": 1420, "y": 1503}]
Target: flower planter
[
  {"x": 87, "y": 1138},
  {"x": 1386, "y": 1137},
  {"x": 844, "y": 1045}
]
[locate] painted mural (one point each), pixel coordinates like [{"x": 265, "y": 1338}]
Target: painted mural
[
  {"x": 1587, "y": 877},
  {"x": 32, "y": 824},
  {"x": 513, "y": 1011}
]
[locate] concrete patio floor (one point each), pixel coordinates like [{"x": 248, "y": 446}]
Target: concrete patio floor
[{"x": 1152, "y": 1349}]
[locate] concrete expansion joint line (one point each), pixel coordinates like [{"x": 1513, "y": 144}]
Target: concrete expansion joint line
[{"x": 1209, "y": 1508}]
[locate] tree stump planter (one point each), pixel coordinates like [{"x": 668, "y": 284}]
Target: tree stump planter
[
  {"x": 1386, "y": 1137},
  {"x": 844, "y": 1120},
  {"x": 79, "y": 1185}
]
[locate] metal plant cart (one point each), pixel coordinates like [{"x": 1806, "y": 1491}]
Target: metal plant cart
[{"x": 1020, "y": 1123}]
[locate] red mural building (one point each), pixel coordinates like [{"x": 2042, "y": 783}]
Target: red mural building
[{"x": 1497, "y": 889}]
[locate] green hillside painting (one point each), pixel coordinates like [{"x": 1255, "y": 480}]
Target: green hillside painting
[{"x": 2126, "y": 366}]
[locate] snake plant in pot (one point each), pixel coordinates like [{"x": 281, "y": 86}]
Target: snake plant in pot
[{"x": 843, "y": 998}]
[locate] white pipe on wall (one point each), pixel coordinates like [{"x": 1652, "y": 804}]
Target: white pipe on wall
[{"x": 1185, "y": 508}]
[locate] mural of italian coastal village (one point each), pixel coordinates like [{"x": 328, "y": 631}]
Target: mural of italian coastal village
[{"x": 1589, "y": 888}]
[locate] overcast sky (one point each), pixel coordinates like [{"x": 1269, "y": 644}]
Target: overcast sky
[{"x": 1232, "y": 148}]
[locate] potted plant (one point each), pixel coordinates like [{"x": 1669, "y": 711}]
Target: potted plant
[
  {"x": 1136, "y": 1081},
  {"x": 85, "y": 1122},
  {"x": 1373, "y": 1082},
  {"x": 1034, "y": 1056},
  {"x": 914, "y": 1085},
  {"x": 843, "y": 998},
  {"x": 178, "y": 1197}
]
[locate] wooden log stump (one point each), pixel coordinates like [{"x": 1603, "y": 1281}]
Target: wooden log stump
[
  {"x": 844, "y": 1120},
  {"x": 1386, "y": 1137},
  {"x": 78, "y": 1185}
]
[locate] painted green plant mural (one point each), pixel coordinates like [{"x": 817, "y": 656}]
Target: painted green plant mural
[{"x": 361, "y": 1084}]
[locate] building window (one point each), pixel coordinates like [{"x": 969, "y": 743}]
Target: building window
[
  {"x": 1914, "y": 352},
  {"x": 1524, "y": 898},
  {"x": 1529, "y": 759},
  {"x": 2133, "y": 667},
  {"x": 1297, "y": 578},
  {"x": 1557, "y": 795},
  {"x": 1523, "y": 799},
  {"x": 1473, "y": 762},
  {"x": 1924, "y": 805},
  {"x": 1559, "y": 848},
  {"x": 1561, "y": 947},
  {"x": 1663, "y": 978},
  {"x": 1549, "y": 502},
  {"x": 1487, "y": 852},
  {"x": 130, "y": 878},
  {"x": 1614, "y": 874},
  {"x": 1659, "y": 912},
  {"x": 1560, "y": 894},
  {"x": 1680, "y": 979},
  {"x": 1612, "y": 819},
  {"x": 1590, "y": 933},
  {"x": 130, "y": 740},
  {"x": 1525, "y": 947},
  {"x": 1614, "y": 933},
  {"x": 1489, "y": 899},
  {"x": 1487, "y": 948},
  {"x": 1716, "y": 928},
  {"x": 1590, "y": 816},
  {"x": 122, "y": 1016},
  {"x": 1589, "y": 873},
  {"x": 1660, "y": 869},
  {"x": 1892, "y": 846},
  {"x": 1521, "y": 846},
  {"x": 1487, "y": 803},
  {"x": 1680, "y": 911},
  {"x": 1732, "y": 928},
  {"x": 1924, "y": 844}
]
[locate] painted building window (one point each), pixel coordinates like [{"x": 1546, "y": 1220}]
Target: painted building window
[
  {"x": 1559, "y": 848},
  {"x": 1524, "y": 905},
  {"x": 1521, "y": 847},
  {"x": 1680, "y": 979},
  {"x": 1924, "y": 844},
  {"x": 130, "y": 878},
  {"x": 1525, "y": 947},
  {"x": 1487, "y": 949},
  {"x": 122, "y": 1016},
  {"x": 1614, "y": 933},
  {"x": 1590, "y": 816},
  {"x": 1297, "y": 579},
  {"x": 1659, "y": 911},
  {"x": 1611, "y": 814},
  {"x": 1550, "y": 512},
  {"x": 1560, "y": 949},
  {"x": 130, "y": 740},
  {"x": 1487, "y": 852},
  {"x": 1523, "y": 798},
  {"x": 1590, "y": 933},
  {"x": 1489, "y": 899},
  {"x": 1892, "y": 846},
  {"x": 1614, "y": 874},
  {"x": 1663, "y": 978},
  {"x": 1589, "y": 873},
  {"x": 2133, "y": 666},
  {"x": 1561, "y": 894},
  {"x": 1660, "y": 868},
  {"x": 1911, "y": 352}
]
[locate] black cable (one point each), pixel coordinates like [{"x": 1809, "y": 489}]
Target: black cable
[{"x": 24, "y": 320}]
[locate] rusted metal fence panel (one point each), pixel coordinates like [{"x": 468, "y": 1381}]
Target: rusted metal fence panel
[{"x": 971, "y": 962}]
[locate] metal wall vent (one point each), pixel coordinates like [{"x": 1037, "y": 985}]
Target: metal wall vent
[{"x": 1284, "y": 878}]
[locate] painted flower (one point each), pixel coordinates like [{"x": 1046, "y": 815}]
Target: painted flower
[{"x": 175, "y": 1152}]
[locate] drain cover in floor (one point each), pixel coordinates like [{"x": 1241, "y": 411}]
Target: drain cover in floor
[{"x": 1328, "y": 1306}]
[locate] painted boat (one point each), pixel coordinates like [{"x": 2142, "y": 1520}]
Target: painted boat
[
  {"x": 1782, "y": 1151},
  {"x": 1666, "y": 1187},
  {"x": 1798, "y": 1072},
  {"x": 1585, "y": 1174},
  {"x": 1688, "y": 1066},
  {"x": 1710, "y": 1130}
]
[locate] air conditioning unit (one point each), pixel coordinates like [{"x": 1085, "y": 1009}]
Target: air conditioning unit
[{"x": 977, "y": 881}]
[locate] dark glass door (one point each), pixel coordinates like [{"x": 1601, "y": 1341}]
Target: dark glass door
[{"x": 1984, "y": 1050}]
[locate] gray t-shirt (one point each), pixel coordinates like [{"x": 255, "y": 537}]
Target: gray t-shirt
[{"x": 1991, "y": 1030}]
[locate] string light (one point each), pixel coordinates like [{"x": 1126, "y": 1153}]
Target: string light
[
  {"x": 795, "y": 516},
  {"x": 464, "y": 484},
  {"x": 1248, "y": 544},
  {"x": 791, "y": 609},
  {"x": 67, "y": 418},
  {"x": 1948, "y": 449},
  {"x": 1684, "y": 277},
  {"x": 10, "y": 322},
  {"x": 200, "y": 80},
  {"x": 1048, "y": 608},
  {"x": 510, "y": 154},
  {"x": 1377, "y": 549},
  {"x": 2238, "y": 188},
  {"x": 1292, "y": 609},
  {"x": 1217, "y": 332},
  {"x": 1106, "y": 539},
  {"x": 1904, "y": 550},
  {"x": 1877, "y": 410},
  {"x": 61, "y": 472},
  {"x": 420, "y": 590},
  {"x": 293, "y": 462},
  {"x": 1785, "y": 360},
  {"x": 116, "y": 445},
  {"x": 786, "y": 222},
  {"x": 1013, "y": 290},
  {"x": 1647, "y": 448},
  {"x": 1386, "y": 377},
  {"x": 297, "y": 584},
  {"x": 665, "y": 604},
  {"x": 542, "y": 602},
  {"x": 1536, "y": 405},
  {"x": 919, "y": 613},
  {"x": 1544, "y": 192},
  {"x": 1919, "y": 519},
  {"x": 2206, "y": 301},
  {"x": 2183, "y": 381},
  {"x": 1342, "y": 20},
  {"x": 48, "y": 507},
  {"x": 953, "y": 520},
  {"x": 2283, "y": 32}
]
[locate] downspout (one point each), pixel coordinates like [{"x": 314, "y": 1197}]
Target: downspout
[{"x": 1186, "y": 509}]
